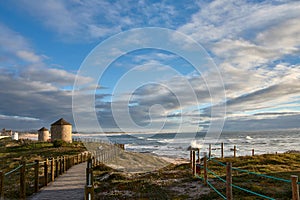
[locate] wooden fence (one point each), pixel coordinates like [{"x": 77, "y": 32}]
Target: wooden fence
[
  {"x": 33, "y": 176},
  {"x": 196, "y": 171}
]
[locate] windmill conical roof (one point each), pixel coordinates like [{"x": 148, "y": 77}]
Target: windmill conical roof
[
  {"x": 61, "y": 121},
  {"x": 43, "y": 129}
]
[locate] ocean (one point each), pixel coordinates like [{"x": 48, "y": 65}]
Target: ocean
[{"x": 176, "y": 145}]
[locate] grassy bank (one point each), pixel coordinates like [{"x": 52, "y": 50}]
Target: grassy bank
[
  {"x": 12, "y": 152},
  {"x": 176, "y": 181}
]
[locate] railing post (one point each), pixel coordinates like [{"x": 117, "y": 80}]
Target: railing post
[
  {"x": 205, "y": 169},
  {"x": 94, "y": 163},
  {"x": 222, "y": 150},
  {"x": 52, "y": 169},
  {"x": 295, "y": 187},
  {"x": 198, "y": 153},
  {"x": 234, "y": 151},
  {"x": 56, "y": 166},
  {"x": 209, "y": 150},
  {"x": 65, "y": 164},
  {"x": 22, "y": 180},
  {"x": 89, "y": 188},
  {"x": 252, "y": 152},
  {"x": 36, "y": 176},
  {"x": 1, "y": 185},
  {"x": 229, "y": 181},
  {"x": 191, "y": 158},
  {"x": 77, "y": 159},
  {"x": 81, "y": 158},
  {"x": 194, "y": 163},
  {"x": 46, "y": 172},
  {"x": 60, "y": 166}
]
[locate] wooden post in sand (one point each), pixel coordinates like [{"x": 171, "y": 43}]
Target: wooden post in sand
[
  {"x": 191, "y": 158},
  {"x": 252, "y": 152},
  {"x": 234, "y": 151},
  {"x": 229, "y": 181},
  {"x": 194, "y": 163},
  {"x": 205, "y": 169},
  {"x": 222, "y": 150},
  {"x": 295, "y": 187},
  {"x": 209, "y": 150},
  {"x": 198, "y": 152}
]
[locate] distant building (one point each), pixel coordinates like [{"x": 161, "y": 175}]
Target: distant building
[
  {"x": 6, "y": 132},
  {"x": 15, "y": 136},
  {"x": 61, "y": 130},
  {"x": 43, "y": 134}
]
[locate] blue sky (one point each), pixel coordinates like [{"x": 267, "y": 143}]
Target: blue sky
[{"x": 254, "y": 44}]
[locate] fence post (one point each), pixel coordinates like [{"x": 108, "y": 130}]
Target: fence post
[
  {"x": 36, "y": 176},
  {"x": 22, "y": 180},
  {"x": 46, "y": 172},
  {"x": 205, "y": 168},
  {"x": 252, "y": 152},
  {"x": 295, "y": 187},
  {"x": 229, "y": 181},
  {"x": 222, "y": 150},
  {"x": 89, "y": 188},
  {"x": 65, "y": 164},
  {"x": 56, "y": 167},
  {"x": 52, "y": 169},
  {"x": 191, "y": 158},
  {"x": 234, "y": 151},
  {"x": 60, "y": 165},
  {"x": 194, "y": 163},
  {"x": 209, "y": 150},
  {"x": 198, "y": 151},
  {"x": 1, "y": 185},
  {"x": 94, "y": 163}
]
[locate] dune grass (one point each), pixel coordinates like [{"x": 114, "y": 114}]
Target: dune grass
[
  {"x": 276, "y": 165},
  {"x": 177, "y": 182}
]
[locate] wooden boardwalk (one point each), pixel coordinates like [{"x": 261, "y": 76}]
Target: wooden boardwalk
[{"x": 68, "y": 186}]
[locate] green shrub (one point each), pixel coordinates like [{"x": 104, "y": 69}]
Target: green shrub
[{"x": 59, "y": 143}]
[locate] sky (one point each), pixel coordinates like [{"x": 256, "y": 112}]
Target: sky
[{"x": 254, "y": 46}]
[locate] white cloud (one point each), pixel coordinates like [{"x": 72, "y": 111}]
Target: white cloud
[
  {"x": 28, "y": 56},
  {"x": 13, "y": 45},
  {"x": 284, "y": 37},
  {"x": 231, "y": 19}
]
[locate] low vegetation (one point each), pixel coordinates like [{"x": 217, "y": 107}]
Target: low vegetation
[
  {"x": 177, "y": 182},
  {"x": 12, "y": 152}
]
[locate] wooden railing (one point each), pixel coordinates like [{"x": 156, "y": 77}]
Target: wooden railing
[
  {"x": 33, "y": 176},
  {"x": 196, "y": 170}
]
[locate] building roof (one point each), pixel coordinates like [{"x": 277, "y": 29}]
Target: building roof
[
  {"x": 61, "y": 121},
  {"x": 43, "y": 129}
]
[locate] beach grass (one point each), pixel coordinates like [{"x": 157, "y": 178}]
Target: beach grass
[{"x": 177, "y": 182}]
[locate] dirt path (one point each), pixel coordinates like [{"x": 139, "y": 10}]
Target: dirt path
[{"x": 66, "y": 187}]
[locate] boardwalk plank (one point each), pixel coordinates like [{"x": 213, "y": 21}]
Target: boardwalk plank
[{"x": 67, "y": 186}]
